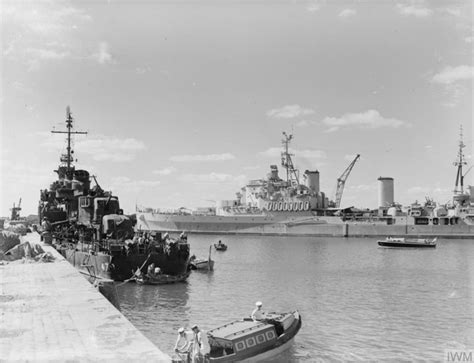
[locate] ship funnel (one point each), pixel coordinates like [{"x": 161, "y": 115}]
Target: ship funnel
[
  {"x": 312, "y": 180},
  {"x": 82, "y": 177},
  {"x": 386, "y": 194}
]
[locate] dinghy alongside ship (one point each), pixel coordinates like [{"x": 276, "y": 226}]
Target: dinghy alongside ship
[{"x": 161, "y": 279}]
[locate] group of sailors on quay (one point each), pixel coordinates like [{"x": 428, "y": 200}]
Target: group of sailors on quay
[{"x": 189, "y": 350}]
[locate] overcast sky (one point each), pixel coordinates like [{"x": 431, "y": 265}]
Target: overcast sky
[{"x": 185, "y": 101}]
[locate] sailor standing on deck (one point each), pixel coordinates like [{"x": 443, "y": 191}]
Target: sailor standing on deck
[
  {"x": 46, "y": 226},
  {"x": 257, "y": 313}
]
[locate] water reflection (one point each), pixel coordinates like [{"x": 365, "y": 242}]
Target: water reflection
[
  {"x": 156, "y": 310},
  {"x": 172, "y": 296}
]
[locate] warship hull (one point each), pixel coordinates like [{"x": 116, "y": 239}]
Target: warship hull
[
  {"x": 120, "y": 267},
  {"x": 298, "y": 225}
]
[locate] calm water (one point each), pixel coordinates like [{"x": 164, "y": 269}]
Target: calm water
[{"x": 358, "y": 301}]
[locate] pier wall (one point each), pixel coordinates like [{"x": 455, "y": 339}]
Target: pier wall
[{"x": 50, "y": 312}]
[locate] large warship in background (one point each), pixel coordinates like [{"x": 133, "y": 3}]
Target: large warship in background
[
  {"x": 15, "y": 217},
  {"x": 90, "y": 231},
  {"x": 287, "y": 207},
  {"x": 16, "y": 222}
]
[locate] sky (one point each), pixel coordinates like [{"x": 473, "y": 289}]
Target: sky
[{"x": 186, "y": 101}]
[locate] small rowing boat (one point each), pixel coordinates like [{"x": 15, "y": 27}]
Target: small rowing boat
[
  {"x": 161, "y": 279},
  {"x": 220, "y": 246}
]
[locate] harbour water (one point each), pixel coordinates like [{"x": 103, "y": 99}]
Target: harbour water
[{"x": 358, "y": 301}]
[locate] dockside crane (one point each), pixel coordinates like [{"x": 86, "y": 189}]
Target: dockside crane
[{"x": 341, "y": 181}]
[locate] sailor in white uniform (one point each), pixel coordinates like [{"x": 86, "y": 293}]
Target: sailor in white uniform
[
  {"x": 257, "y": 313},
  {"x": 196, "y": 344},
  {"x": 182, "y": 345}
]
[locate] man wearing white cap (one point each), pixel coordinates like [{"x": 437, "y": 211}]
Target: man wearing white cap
[
  {"x": 258, "y": 314},
  {"x": 196, "y": 344},
  {"x": 182, "y": 345}
]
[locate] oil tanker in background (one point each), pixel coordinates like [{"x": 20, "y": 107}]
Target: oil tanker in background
[{"x": 291, "y": 207}]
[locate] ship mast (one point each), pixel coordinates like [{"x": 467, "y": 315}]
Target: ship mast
[
  {"x": 286, "y": 162},
  {"x": 459, "y": 185},
  {"x": 67, "y": 158}
]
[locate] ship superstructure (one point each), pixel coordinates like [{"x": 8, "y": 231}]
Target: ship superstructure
[
  {"x": 463, "y": 200},
  {"x": 274, "y": 194},
  {"x": 15, "y": 215}
]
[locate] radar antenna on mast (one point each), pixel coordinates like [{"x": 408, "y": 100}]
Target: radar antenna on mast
[
  {"x": 341, "y": 181},
  {"x": 67, "y": 158},
  {"x": 286, "y": 161},
  {"x": 459, "y": 185}
]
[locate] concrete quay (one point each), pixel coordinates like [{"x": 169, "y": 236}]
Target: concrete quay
[{"x": 50, "y": 312}]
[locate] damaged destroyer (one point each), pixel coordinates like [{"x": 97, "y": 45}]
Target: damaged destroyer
[{"x": 90, "y": 230}]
